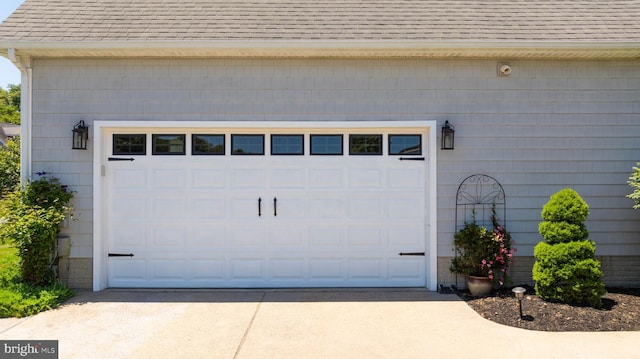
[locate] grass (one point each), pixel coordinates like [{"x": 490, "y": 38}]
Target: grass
[{"x": 18, "y": 299}]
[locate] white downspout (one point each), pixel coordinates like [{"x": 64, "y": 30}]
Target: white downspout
[{"x": 24, "y": 65}]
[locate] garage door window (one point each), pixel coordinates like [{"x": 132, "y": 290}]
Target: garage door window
[
  {"x": 326, "y": 145},
  {"x": 168, "y": 144},
  {"x": 405, "y": 145},
  {"x": 207, "y": 144},
  {"x": 129, "y": 144},
  {"x": 287, "y": 144},
  {"x": 247, "y": 144},
  {"x": 365, "y": 144}
]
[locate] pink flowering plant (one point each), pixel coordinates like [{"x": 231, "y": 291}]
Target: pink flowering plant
[{"x": 482, "y": 252}]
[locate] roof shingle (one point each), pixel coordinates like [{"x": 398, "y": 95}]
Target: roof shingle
[{"x": 324, "y": 20}]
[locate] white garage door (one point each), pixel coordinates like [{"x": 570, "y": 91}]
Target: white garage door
[{"x": 265, "y": 208}]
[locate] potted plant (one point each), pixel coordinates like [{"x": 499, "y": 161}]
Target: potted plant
[{"x": 483, "y": 255}]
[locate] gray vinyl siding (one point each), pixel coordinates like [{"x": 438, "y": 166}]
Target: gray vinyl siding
[{"x": 551, "y": 124}]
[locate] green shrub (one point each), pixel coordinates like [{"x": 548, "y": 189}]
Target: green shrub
[
  {"x": 567, "y": 272},
  {"x": 31, "y": 223},
  {"x": 562, "y": 232},
  {"x": 18, "y": 299},
  {"x": 483, "y": 252},
  {"x": 634, "y": 182},
  {"x": 10, "y": 166},
  {"x": 10, "y": 104},
  {"x": 565, "y": 269},
  {"x": 565, "y": 206}
]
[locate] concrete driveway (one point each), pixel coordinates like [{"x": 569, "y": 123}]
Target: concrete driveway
[{"x": 398, "y": 323}]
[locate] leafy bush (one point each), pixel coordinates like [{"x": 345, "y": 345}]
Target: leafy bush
[
  {"x": 562, "y": 232},
  {"x": 10, "y": 166},
  {"x": 634, "y": 181},
  {"x": 32, "y": 217},
  {"x": 565, "y": 269},
  {"x": 483, "y": 252},
  {"x": 10, "y": 104},
  {"x": 19, "y": 299},
  {"x": 566, "y": 206}
]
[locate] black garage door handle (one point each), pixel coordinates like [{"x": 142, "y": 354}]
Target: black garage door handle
[{"x": 275, "y": 206}]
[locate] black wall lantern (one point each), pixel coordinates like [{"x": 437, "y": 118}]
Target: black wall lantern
[
  {"x": 80, "y": 136},
  {"x": 448, "y": 134}
]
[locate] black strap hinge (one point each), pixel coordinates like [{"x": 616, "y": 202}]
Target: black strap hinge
[
  {"x": 411, "y": 254},
  {"x": 120, "y": 254},
  {"x": 411, "y": 158},
  {"x": 120, "y": 159}
]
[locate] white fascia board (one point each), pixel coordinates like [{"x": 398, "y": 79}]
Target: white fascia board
[
  {"x": 327, "y": 48},
  {"x": 319, "y": 44}
]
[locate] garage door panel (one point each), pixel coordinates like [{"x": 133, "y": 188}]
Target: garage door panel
[
  {"x": 204, "y": 207},
  {"x": 169, "y": 208},
  {"x": 370, "y": 208},
  {"x": 208, "y": 179},
  {"x": 122, "y": 269},
  {"x": 326, "y": 268},
  {"x": 208, "y": 237},
  {"x": 406, "y": 237},
  {"x": 248, "y": 207},
  {"x": 169, "y": 179},
  {"x": 248, "y": 268},
  {"x": 409, "y": 178},
  {"x": 326, "y": 237},
  {"x": 130, "y": 179},
  {"x": 129, "y": 236},
  {"x": 128, "y": 208},
  {"x": 405, "y": 269},
  {"x": 327, "y": 207},
  {"x": 290, "y": 237},
  {"x": 247, "y": 238},
  {"x": 163, "y": 269},
  {"x": 366, "y": 237},
  {"x": 369, "y": 268},
  {"x": 366, "y": 178},
  {"x": 288, "y": 178},
  {"x": 411, "y": 208},
  {"x": 292, "y": 269},
  {"x": 169, "y": 237},
  {"x": 327, "y": 178},
  {"x": 247, "y": 178},
  {"x": 290, "y": 207},
  {"x": 206, "y": 270}
]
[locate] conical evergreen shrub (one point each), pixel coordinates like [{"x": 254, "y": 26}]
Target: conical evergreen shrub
[{"x": 565, "y": 269}]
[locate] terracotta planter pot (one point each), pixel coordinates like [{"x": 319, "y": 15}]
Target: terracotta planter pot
[{"x": 479, "y": 286}]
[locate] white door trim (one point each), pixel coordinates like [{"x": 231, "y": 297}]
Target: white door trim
[{"x": 99, "y": 241}]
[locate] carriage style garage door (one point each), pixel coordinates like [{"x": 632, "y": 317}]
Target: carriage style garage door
[{"x": 251, "y": 207}]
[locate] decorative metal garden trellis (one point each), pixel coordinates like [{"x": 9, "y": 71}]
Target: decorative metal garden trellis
[{"x": 476, "y": 198}]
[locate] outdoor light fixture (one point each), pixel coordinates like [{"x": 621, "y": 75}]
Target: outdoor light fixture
[
  {"x": 80, "y": 136},
  {"x": 519, "y": 293},
  {"x": 447, "y": 136}
]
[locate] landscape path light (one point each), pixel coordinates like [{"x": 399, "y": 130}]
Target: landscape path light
[{"x": 519, "y": 293}]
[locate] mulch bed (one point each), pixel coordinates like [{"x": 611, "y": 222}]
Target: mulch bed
[{"x": 620, "y": 311}]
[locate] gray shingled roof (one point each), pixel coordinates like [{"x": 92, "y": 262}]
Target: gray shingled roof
[
  {"x": 564, "y": 28},
  {"x": 424, "y": 20}
]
